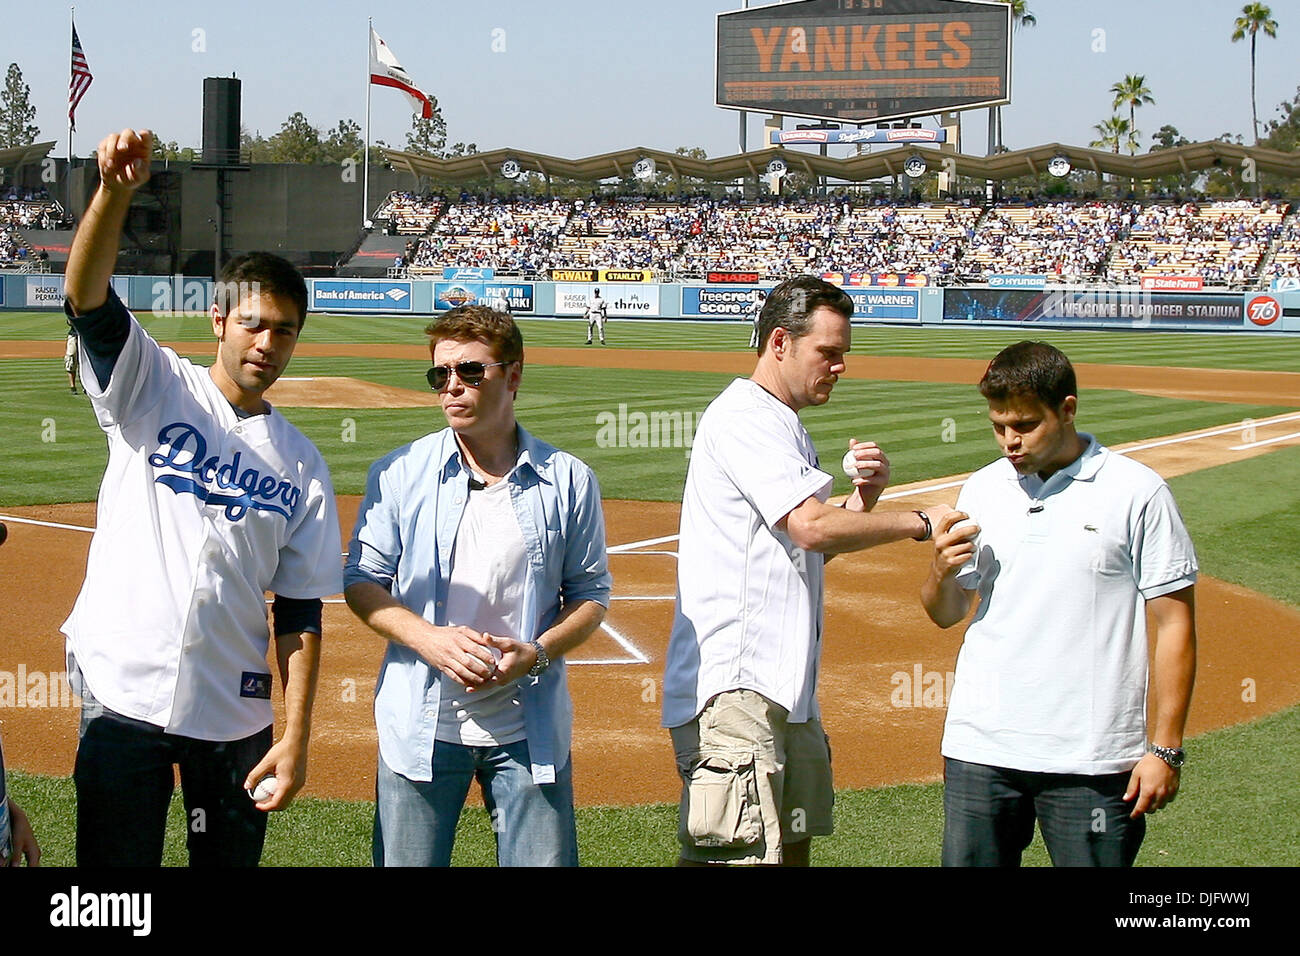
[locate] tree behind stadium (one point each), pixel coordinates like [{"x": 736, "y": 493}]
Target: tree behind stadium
[{"x": 17, "y": 114}]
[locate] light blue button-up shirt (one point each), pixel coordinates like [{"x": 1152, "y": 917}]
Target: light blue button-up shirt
[{"x": 404, "y": 540}]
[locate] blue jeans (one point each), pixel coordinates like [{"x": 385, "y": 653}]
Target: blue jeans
[
  {"x": 415, "y": 822},
  {"x": 989, "y": 812}
]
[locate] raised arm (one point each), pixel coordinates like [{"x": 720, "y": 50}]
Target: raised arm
[{"x": 123, "y": 168}]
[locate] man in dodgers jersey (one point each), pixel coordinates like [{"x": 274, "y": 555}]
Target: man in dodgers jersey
[
  {"x": 479, "y": 553},
  {"x": 741, "y": 676},
  {"x": 1071, "y": 545},
  {"x": 209, "y": 500}
]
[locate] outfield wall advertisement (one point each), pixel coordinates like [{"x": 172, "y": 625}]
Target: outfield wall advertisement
[
  {"x": 880, "y": 305},
  {"x": 625, "y": 302},
  {"x": 361, "y": 295},
  {"x": 44, "y": 291},
  {"x": 729, "y": 302},
  {"x": 1111, "y": 307},
  {"x": 452, "y": 295}
]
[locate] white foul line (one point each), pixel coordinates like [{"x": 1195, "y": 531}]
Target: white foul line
[
  {"x": 621, "y": 548},
  {"x": 623, "y": 642},
  {"x": 44, "y": 524},
  {"x": 1266, "y": 441}
]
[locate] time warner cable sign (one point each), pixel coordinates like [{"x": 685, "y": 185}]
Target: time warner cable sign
[
  {"x": 861, "y": 60},
  {"x": 360, "y": 295}
]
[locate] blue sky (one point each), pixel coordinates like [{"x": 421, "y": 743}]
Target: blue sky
[{"x": 576, "y": 77}]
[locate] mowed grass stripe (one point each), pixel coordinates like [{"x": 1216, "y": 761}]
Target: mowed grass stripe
[
  {"x": 55, "y": 452},
  {"x": 1246, "y": 350}
]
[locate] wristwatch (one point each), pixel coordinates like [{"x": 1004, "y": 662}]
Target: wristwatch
[
  {"x": 543, "y": 661},
  {"x": 929, "y": 528},
  {"x": 1174, "y": 756}
]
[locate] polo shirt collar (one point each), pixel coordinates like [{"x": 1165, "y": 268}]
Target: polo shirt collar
[{"x": 1083, "y": 468}]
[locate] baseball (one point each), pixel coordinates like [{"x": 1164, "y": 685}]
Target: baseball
[
  {"x": 264, "y": 790},
  {"x": 965, "y": 526},
  {"x": 851, "y": 469}
]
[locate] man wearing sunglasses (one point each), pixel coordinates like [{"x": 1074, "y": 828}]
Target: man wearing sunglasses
[{"x": 479, "y": 554}]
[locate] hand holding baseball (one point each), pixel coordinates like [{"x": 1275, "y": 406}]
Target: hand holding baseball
[
  {"x": 865, "y": 461},
  {"x": 954, "y": 540},
  {"x": 517, "y": 659},
  {"x": 461, "y": 653},
  {"x": 286, "y": 764},
  {"x": 124, "y": 160}
]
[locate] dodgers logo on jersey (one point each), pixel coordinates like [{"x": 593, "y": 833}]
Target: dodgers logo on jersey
[{"x": 183, "y": 448}]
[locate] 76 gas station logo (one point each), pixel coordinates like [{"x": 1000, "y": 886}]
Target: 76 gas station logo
[{"x": 1263, "y": 310}]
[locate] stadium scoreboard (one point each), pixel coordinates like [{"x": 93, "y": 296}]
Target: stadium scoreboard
[{"x": 865, "y": 60}]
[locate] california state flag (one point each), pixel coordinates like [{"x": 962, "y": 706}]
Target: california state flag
[{"x": 386, "y": 71}]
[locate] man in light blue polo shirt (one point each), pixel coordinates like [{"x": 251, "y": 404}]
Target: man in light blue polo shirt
[
  {"x": 1068, "y": 548},
  {"x": 479, "y": 553}
]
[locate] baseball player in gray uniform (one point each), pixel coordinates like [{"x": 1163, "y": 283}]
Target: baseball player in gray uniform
[
  {"x": 754, "y": 310},
  {"x": 210, "y": 500},
  {"x": 597, "y": 310}
]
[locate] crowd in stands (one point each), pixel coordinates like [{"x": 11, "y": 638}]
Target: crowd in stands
[
  {"x": 20, "y": 210},
  {"x": 1068, "y": 242},
  {"x": 408, "y": 214},
  {"x": 1221, "y": 242},
  {"x": 1286, "y": 259},
  {"x": 1065, "y": 241}
]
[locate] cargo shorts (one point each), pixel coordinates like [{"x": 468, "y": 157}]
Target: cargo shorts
[{"x": 751, "y": 781}]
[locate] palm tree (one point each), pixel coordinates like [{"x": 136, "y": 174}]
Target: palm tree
[
  {"x": 1113, "y": 132},
  {"x": 1254, "y": 17},
  {"x": 1131, "y": 91},
  {"x": 1020, "y": 17}
]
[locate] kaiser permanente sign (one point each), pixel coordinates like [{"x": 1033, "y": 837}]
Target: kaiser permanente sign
[{"x": 862, "y": 60}]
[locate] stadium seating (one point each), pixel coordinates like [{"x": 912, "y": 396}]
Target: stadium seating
[{"x": 1068, "y": 242}]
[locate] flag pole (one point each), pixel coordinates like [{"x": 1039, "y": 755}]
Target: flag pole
[
  {"x": 365, "y": 188},
  {"x": 72, "y": 22}
]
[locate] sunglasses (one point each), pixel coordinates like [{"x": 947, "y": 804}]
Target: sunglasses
[{"x": 469, "y": 373}]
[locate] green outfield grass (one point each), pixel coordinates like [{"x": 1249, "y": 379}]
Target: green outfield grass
[
  {"x": 1245, "y": 350},
  {"x": 55, "y": 452}
]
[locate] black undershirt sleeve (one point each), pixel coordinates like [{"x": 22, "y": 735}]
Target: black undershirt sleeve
[
  {"x": 291, "y": 615},
  {"x": 103, "y": 333}
]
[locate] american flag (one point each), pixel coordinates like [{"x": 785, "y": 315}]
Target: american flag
[{"x": 80, "y": 81}]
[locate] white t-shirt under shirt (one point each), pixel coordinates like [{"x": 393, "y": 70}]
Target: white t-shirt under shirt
[
  {"x": 749, "y": 603},
  {"x": 1052, "y": 673},
  {"x": 488, "y": 572}
]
